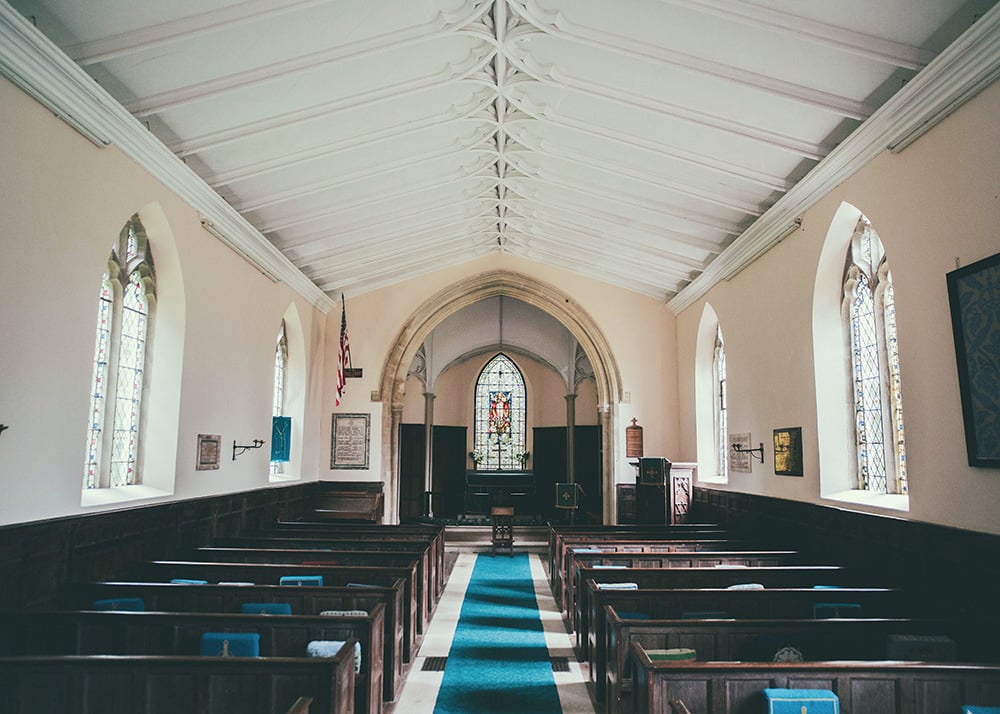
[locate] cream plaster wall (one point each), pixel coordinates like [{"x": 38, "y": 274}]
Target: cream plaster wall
[
  {"x": 935, "y": 205},
  {"x": 62, "y": 203}
]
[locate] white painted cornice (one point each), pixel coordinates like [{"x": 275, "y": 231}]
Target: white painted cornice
[
  {"x": 968, "y": 65},
  {"x": 33, "y": 62}
]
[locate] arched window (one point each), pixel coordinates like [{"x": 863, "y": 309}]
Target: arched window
[
  {"x": 278, "y": 400},
  {"x": 721, "y": 426},
  {"x": 874, "y": 364},
  {"x": 126, "y": 299},
  {"x": 500, "y": 416}
]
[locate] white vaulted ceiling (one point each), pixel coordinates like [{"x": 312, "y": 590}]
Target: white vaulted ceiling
[{"x": 634, "y": 141}]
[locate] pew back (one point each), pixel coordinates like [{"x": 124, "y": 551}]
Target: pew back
[
  {"x": 163, "y": 685},
  {"x": 884, "y": 687}
]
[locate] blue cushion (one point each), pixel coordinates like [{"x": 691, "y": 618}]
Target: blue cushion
[
  {"x": 330, "y": 648},
  {"x": 301, "y": 580},
  {"x": 134, "y": 604},
  {"x": 187, "y": 581},
  {"x": 633, "y": 616},
  {"x": 266, "y": 608},
  {"x": 969, "y": 709},
  {"x": 362, "y": 585},
  {"x": 230, "y": 644},
  {"x": 836, "y": 609},
  {"x": 801, "y": 701}
]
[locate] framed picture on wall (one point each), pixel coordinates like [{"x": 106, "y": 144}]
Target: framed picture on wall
[
  {"x": 974, "y": 295},
  {"x": 350, "y": 436},
  {"x": 207, "y": 452},
  {"x": 788, "y": 451}
]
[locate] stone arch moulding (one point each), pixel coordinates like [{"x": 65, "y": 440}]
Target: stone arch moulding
[{"x": 450, "y": 300}]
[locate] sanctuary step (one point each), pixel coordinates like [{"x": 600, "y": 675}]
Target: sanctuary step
[{"x": 472, "y": 539}]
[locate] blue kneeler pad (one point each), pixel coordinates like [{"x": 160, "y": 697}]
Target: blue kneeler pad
[
  {"x": 301, "y": 580},
  {"x": 969, "y": 709},
  {"x": 801, "y": 701},
  {"x": 133, "y": 604},
  {"x": 266, "y": 608},
  {"x": 230, "y": 644}
]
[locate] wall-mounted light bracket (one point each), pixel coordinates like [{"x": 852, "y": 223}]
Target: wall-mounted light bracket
[
  {"x": 257, "y": 443},
  {"x": 753, "y": 452}
]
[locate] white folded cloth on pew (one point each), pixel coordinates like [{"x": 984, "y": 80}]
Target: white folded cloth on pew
[{"x": 617, "y": 586}]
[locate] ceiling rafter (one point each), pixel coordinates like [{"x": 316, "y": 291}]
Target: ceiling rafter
[
  {"x": 552, "y": 117},
  {"x": 394, "y": 200},
  {"x": 548, "y": 75},
  {"x": 642, "y": 176},
  {"x": 183, "y": 28},
  {"x": 365, "y": 100},
  {"x": 682, "y": 213},
  {"x": 566, "y": 233},
  {"x": 383, "y": 228},
  {"x": 558, "y": 25},
  {"x": 180, "y": 96},
  {"x": 434, "y": 228},
  {"x": 352, "y": 143},
  {"x": 882, "y": 50},
  {"x": 626, "y": 227},
  {"x": 298, "y": 192}
]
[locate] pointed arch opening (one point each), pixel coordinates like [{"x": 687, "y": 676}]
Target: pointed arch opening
[{"x": 423, "y": 320}]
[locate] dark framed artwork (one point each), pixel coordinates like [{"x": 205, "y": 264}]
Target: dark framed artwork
[
  {"x": 788, "y": 451},
  {"x": 350, "y": 436},
  {"x": 974, "y": 295}
]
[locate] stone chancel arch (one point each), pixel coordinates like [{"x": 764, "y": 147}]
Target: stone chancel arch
[{"x": 436, "y": 309}]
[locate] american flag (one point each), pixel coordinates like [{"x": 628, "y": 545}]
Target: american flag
[{"x": 344, "y": 358}]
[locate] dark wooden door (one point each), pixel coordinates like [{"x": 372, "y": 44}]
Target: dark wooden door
[
  {"x": 548, "y": 462},
  {"x": 448, "y": 468},
  {"x": 411, "y": 471}
]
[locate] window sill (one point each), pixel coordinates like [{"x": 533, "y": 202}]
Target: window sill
[
  {"x": 282, "y": 478},
  {"x": 891, "y": 501},
  {"x": 110, "y": 496},
  {"x": 717, "y": 480}
]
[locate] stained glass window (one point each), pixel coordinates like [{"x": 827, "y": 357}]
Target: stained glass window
[
  {"x": 98, "y": 397},
  {"x": 114, "y": 422},
  {"x": 881, "y": 460},
  {"x": 721, "y": 425},
  {"x": 278, "y": 401},
  {"x": 500, "y": 416}
]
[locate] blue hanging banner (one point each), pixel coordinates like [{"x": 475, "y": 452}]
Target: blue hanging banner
[{"x": 281, "y": 438}]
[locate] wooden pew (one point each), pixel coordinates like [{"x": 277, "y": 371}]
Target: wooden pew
[
  {"x": 773, "y": 603},
  {"x": 784, "y": 576},
  {"x": 395, "y": 544},
  {"x": 319, "y": 530},
  {"x": 582, "y": 564},
  {"x": 271, "y": 573},
  {"x": 877, "y": 687},
  {"x": 193, "y": 685},
  {"x": 421, "y": 589},
  {"x": 80, "y": 632},
  {"x": 761, "y": 640},
  {"x": 557, "y": 533},
  {"x": 305, "y": 600},
  {"x": 357, "y": 502},
  {"x": 663, "y": 542}
]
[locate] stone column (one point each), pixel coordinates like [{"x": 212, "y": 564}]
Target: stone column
[
  {"x": 392, "y": 496},
  {"x": 428, "y": 453},
  {"x": 570, "y": 438}
]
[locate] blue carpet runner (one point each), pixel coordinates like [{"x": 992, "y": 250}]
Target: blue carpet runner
[{"x": 499, "y": 663}]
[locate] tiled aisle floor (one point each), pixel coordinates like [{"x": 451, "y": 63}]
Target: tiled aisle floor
[{"x": 421, "y": 688}]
